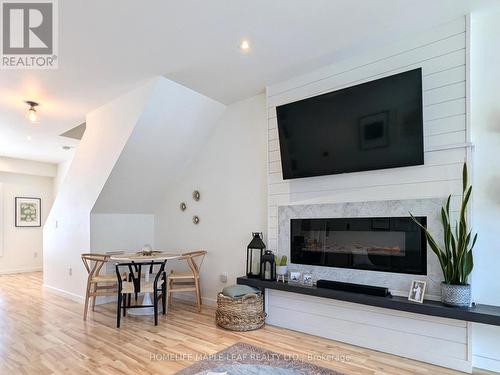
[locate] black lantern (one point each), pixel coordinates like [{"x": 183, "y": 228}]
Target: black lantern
[
  {"x": 255, "y": 250},
  {"x": 268, "y": 266}
]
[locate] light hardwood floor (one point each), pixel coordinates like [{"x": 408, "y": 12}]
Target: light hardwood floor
[{"x": 41, "y": 333}]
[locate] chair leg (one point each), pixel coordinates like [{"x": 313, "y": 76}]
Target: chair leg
[
  {"x": 198, "y": 296},
  {"x": 118, "y": 310},
  {"x": 155, "y": 304},
  {"x": 94, "y": 297},
  {"x": 199, "y": 292},
  {"x": 164, "y": 297},
  {"x": 170, "y": 292},
  {"x": 125, "y": 305},
  {"x": 135, "y": 287},
  {"x": 86, "y": 307}
]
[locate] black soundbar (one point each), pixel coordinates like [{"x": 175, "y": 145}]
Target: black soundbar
[{"x": 354, "y": 288}]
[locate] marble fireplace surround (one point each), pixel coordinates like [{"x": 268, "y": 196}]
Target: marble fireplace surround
[{"x": 398, "y": 284}]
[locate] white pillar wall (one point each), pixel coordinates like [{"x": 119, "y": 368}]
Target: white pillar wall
[
  {"x": 66, "y": 233},
  {"x": 133, "y": 150},
  {"x": 485, "y": 134}
]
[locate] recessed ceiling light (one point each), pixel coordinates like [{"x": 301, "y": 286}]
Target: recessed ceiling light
[
  {"x": 29, "y": 138},
  {"x": 245, "y": 45}
]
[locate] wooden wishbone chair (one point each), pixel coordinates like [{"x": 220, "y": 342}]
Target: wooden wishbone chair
[
  {"x": 136, "y": 284},
  {"x": 188, "y": 281},
  {"x": 94, "y": 263}
]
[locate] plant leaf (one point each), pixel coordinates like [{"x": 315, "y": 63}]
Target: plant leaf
[
  {"x": 455, "y": 259},
  {"x": 468, "y": 266},
  {"x": 473, "y": 242},
  {"x": 464, "y": 177},
  {"x": 434, "y": 247},
  {"x": 465, "y": 201}
]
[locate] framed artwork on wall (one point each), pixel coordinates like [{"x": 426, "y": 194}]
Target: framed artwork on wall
[{"x": 28, "y": 212}]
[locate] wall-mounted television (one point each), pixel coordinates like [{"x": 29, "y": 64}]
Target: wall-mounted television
[{"x": 374, "y": 125}]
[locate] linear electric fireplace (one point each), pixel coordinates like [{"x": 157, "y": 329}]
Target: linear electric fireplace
[{"x": 389, "y": 244}]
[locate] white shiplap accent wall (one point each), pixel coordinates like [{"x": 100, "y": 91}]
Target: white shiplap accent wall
[
  {"x": 440, "y": 341},
  {"x": 442, "y": 55}
]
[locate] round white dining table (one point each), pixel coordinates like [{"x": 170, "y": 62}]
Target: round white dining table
[{"x": 138, "y": 257}]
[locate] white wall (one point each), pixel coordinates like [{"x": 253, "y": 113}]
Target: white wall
[
  {"x": 67, "y": 231},
  {"x": 62, "y": 170},
  {"x": 485, "y": 131},
  {"x": 2, "y": 221},
  {"x": 22, "y": 247},
  {"x": 230, "y": 172},
  {"x": 29, "y": 167},
  {"x": 172, "y": 128},
  {"x": 131, "y": 150},
  {"x": 114, "y": 232}
]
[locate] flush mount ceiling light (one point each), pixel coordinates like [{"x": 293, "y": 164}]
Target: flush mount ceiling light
[
  {"x": 245, "y": 45},
  {"x": 32, "y": 114}
]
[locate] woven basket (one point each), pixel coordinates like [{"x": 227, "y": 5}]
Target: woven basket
[{"x": 242, "y": 314}]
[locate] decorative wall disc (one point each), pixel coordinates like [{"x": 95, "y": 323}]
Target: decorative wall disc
[{"x": 196, "y": 195}]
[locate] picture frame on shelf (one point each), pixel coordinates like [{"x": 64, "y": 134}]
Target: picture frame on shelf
[
  {"x": 307, "y": 279},
  {"x": 294, "y": 277},
  {"x": 417, "y": 291},
  {"x": 28, "y": 212}
]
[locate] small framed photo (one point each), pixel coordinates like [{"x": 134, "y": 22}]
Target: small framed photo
[
  {"x": 294, "y": 276},
  {"x": 417, "y": 291},
  {"x": 28, "y": 212},
  {"x": 307, "y": 279}
]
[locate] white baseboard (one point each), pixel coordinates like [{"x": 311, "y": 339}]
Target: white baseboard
[
  {"x": 20, "y": 270},
  {"x": 105, "y": 299},
  {"x": 190, "y": 297},
  {"x": 180, "y": 296},
  {"x": 485, "y": 363},
  {"x": 102, "y": 300},
  {"x": 64, "y": 293}
]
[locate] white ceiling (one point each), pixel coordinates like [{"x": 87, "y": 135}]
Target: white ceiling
[{"x": 110, "y": 47}]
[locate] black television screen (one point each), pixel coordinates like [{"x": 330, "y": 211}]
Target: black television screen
[{"x": 374, "y": 125}]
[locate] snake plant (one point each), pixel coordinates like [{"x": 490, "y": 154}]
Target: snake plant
[
  {"x": 282, "y": 262},
  {"x": 455, "y": 257}
]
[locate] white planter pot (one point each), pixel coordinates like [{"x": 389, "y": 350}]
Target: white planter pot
[
  {"x": 281, "y": 270},
  {"x": 455, "y": 295}
]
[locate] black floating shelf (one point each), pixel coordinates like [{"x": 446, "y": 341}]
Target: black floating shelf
[{"x": 485, "y": 314}]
